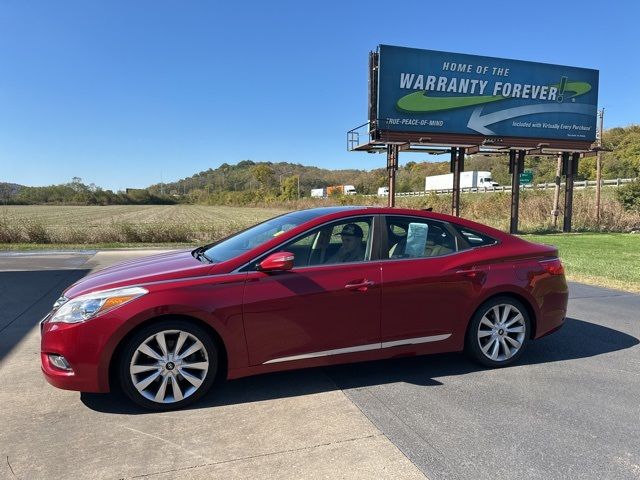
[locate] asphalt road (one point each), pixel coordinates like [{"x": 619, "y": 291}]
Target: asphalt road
[{"x": 569, "y": 409}]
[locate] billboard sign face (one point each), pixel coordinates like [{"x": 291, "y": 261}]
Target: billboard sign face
[{"x": 426, "y": 91}]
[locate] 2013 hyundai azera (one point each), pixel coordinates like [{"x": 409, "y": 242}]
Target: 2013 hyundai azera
[{"x": 308, "y": 288}]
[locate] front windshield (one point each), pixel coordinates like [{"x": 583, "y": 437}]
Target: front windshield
[{"x": 257, "y": 235}]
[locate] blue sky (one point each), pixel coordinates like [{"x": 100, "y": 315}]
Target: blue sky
[{"x": 124, "y": 93}]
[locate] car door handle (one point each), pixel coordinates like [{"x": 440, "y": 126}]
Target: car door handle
[
  {"x": 359, "y": 285},
  {"x": 471, "y": 273}
]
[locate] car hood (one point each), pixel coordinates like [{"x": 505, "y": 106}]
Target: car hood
[{"x": 164, "y": 266}]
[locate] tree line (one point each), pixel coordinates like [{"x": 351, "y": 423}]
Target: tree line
[
  {"x": 249, "y": 182},
  {"x": 77, "y": 193}
]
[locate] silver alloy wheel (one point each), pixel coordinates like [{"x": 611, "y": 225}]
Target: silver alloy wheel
[
  {"x": 169, "y": 366},
  {"x": 501, "y": 332}
]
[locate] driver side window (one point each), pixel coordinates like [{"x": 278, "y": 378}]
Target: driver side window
[{"x": 345, "y": 241}]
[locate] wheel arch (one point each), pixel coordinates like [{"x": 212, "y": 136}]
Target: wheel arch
[
  {"x": 520, "y": 298},
  {"x": 222, "y": 349}
]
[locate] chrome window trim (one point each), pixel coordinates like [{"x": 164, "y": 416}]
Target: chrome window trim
[{"x": 361, "y": 348}]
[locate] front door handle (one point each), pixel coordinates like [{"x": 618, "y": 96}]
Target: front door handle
[{"x": 359, "y": 285}]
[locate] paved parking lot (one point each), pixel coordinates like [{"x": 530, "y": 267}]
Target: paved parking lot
[{"x": 570, "y": 409}]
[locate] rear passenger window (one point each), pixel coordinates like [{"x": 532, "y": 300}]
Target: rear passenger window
[
  {"x": 409, "y": 237},
  {"x": 473, "y": 238}
]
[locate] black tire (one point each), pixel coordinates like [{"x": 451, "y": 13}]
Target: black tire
[
  {"x": 172, "y": 328},
  {"x": 480, "y": 336}
]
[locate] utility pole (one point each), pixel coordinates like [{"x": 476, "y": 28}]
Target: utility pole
[{"x": 599, "y": 166}]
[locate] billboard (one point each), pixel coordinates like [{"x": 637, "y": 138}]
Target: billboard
[{"x": 427, "y": 91}]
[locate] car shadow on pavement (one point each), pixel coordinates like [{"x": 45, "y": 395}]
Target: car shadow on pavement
[
  {"x": 577, "y": 339},
  {"x": 25, "y": 298}
]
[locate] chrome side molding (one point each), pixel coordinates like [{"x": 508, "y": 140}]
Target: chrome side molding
[{"x": 362, "y": 348}]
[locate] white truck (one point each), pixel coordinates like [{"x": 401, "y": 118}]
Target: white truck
[
  {"x": 334, "y": 190},
  {"x": 472, "y": 179}
]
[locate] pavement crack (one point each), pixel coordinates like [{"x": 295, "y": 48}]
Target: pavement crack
[
  {"x": 169, "y": 442},
  {"x": 375, "y": 426},
  {"x": 251, "y": 457},
  {"x": 409, "y": 427},
  {"x": 10, "y": 467}
]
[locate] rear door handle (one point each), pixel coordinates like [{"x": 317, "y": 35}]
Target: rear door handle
[
  {"x": 359, "y": 285},
  {"x": 471, "y": 273}
]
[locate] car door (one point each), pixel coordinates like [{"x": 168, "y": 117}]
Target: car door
[
  {"x": 323, "y": 306},
  {"x": 425, "y": 295}
]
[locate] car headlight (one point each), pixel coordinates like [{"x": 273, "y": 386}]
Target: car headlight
[
  {"x": 86, "y": 307},
  {"x": 61, "y": 301}
]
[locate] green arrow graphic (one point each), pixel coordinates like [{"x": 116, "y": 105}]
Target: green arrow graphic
[
  {"x": 420, "y": 102},
  {"x": 578, "y": 88}
]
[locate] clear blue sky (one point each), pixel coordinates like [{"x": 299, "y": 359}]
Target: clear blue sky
[{"x": 121, "y": 93}]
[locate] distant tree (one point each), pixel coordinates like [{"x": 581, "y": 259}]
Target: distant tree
[
  {"x": 629, "y": 195},
  {"x": 265, "y": 175},
  {"x": 289, "y": 188}
]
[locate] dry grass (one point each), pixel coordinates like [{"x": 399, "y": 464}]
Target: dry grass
[
  {"x": 201, "y": 224},
  {"x": 125, "y": 224},
  {"x": 535, "y": 210}
]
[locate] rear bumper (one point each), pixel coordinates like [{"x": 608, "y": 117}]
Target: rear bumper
[{"x": 552, "y": 297}]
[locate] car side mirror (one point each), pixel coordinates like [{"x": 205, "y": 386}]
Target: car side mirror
[{"x": 276, "y": 262}]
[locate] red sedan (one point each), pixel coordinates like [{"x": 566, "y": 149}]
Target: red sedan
[{"x": 309, "y": 288}]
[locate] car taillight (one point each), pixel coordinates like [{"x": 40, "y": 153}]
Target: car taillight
[{"x": 552, "y": 266}]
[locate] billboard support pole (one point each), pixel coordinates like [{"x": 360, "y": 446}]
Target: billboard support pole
[
  {"x": 556, "y": 193},
  {"x": 571, "y": 169},
  {"x": 457, "y": 166},
  {"x": 516, "y": 167},
  {"x": 392, "y": 167},
  {"x": 599, "y": 167}
]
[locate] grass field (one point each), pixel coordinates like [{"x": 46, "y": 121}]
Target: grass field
[
  {"x": 123, "y": 224},
  {"x": 91, "y": 216},
  {"x": 607, "y": 259}
]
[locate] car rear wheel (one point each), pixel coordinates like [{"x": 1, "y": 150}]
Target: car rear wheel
[
  {"x": 498, "y": 332},
  {"x": 168, "y": 365}
]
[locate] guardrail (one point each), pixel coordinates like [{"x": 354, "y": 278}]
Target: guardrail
[{"x": 507, "y": 188}]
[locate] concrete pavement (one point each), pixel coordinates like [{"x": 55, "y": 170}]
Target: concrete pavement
[{"x": 291, "y": 425}]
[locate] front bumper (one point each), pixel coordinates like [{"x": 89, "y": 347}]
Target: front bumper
[{"x": 87, "y": 348}]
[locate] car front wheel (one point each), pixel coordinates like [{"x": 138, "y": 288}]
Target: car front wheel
[
  {"x": 168, "y": 365},
  {"x": 498, "y": 332}
]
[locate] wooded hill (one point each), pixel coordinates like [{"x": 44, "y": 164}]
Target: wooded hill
[
  {"x": 254, "y": 182},
  {"x": 281, "y": 178}
]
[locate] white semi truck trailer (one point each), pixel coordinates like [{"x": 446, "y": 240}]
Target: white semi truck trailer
[
  {"x": 472, "y": 179},
  {"x": 333, "y": 190}
]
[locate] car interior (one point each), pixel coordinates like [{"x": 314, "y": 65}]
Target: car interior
[
  {"x": 411, "y": 239},
  {"x": 406, "y": 238},
  {"x": 319, "y": 247}
]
